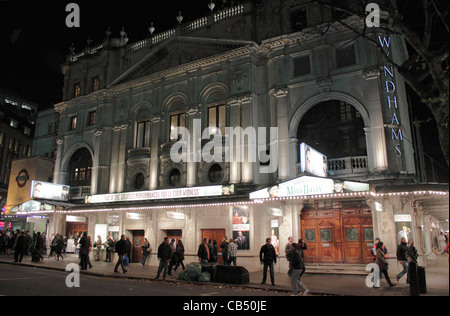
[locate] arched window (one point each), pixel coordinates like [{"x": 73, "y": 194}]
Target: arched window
[
  {"x": 177, "y": 119},
  {"x": 80, "y": 168},
  {"x": 217, "y": 115},
  {"x": 334, "y": 128}
]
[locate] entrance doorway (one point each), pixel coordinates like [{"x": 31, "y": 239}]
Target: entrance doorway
[
  {"x": 136, "y": 243},
  {"x": 337, "y": 236},
  {"x": 217, "y": 235}
]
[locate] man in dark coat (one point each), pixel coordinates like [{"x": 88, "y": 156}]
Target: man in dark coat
[
  {"x": 268, "y": 257},
  {"x": 164, "y": 254},
  {"x": 121, "y": 249},
  {"x": 204, "y": 253},
  {"x": 84, "y": 251},
  {"x": 402, "y": 249},
  {"x": 21, "y": 246}
]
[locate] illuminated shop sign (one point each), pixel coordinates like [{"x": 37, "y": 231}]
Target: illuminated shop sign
[
  {"x": 183, "y": 193},
  {"x": 312, "y": 161},
  {"x": 309, "y": 186},
  {"x": 49, "y": 191}
]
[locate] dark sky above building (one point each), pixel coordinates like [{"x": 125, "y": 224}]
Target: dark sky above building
[
  {"x": 34, "y": 38},
  {"x": 34, "y": 42}
]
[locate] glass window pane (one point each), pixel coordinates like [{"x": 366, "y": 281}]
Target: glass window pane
[
  {"x": 222, "y": 119},
  {"x": 310, "y": 235},
  {"x": 182, "y": 120},
  {"x": 326, "y": 235},
  {"x": 140, "y": 135},
  {"x": 212, "y": 115},
  {"x": 351, "y": 234}
]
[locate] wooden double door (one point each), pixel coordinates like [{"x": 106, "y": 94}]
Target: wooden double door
[{"x": 337, "y": 236}]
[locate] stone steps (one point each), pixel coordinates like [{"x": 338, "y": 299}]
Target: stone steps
[{"x": 333, "y": 268}]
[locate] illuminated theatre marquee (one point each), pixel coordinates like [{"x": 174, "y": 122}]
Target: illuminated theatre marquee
[{"x": 182, "y": 193}]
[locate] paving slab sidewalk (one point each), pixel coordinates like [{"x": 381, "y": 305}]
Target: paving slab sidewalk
[{"x": 318, "y": 284}]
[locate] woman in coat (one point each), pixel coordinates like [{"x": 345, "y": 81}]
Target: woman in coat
[
  {"x": 383, "y": 264},
  {"x": 180, "y": 255},
  {"x": 412, "y": 256}
]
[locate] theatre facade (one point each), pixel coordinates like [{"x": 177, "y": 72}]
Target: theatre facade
[{"x": 319, "y": 84}]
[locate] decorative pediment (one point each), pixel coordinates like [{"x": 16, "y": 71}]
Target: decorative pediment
[{"x": 175, "y": 52}]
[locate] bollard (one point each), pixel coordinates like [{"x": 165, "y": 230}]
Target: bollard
[{"x": 413, "y": 279}]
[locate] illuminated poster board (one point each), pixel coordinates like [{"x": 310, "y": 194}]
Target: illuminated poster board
[
  {"x": 241, "y": 228},
  {"x": 312, "y": 162},
  {"x": 49, "y": 191}
]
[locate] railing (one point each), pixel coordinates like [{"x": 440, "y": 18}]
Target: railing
[
  {"x": 137, "y": 153},
  {"x": 161, "y": 37},
  {"x": 348, "y": 165},
  {"x": 79, "y": 193}
]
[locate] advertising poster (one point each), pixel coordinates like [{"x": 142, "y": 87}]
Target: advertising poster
[
  {"x": 241, "y": 228},
  {"x": 312, "y": 161},
  {"x": 403, "y": 227}
]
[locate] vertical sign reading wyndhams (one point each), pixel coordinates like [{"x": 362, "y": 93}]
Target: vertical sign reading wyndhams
[{"x": 395, "y": 133}]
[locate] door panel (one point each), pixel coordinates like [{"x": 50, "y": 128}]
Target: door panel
[
  {"x": 337, "y": 236},
  {"x": 136, "y": 249}
]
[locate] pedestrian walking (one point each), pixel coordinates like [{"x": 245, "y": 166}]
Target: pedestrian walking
[
  {"x": 39, "y": 244},
  {"x": 297, "y": 267},
  {"x": 121, "y": 249},
  {"x": 383, "y": 265},
  {"x": 20, "y": 248},
  {"x": 268, "y": 257},
  {"x": 164, "y": 255},
  {"x": 146, "y": 249},
  {"x": 232, "y": 252},
  {"x": 402, "y": 249},
  {"x": 59, "y": 247},
  {"x": 412, "y": 256},
  {"x": 374, "y": 249},
  {"x": 180, "y": 255}
]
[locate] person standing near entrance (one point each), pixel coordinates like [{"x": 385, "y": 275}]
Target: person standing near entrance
[
  {"x": 84, "y": 251},
  {"x": 121, "y": 249},
  {"x": 232, "y": 252},
  {"x": 224, "y": 247},
  {"x": 204, "y": 253},
  {"x": 268, "y": 257},
  {"x": 402, "y": 249},
  {"x": 164, "y": 254},
  {"x": 146, "y": 250}
]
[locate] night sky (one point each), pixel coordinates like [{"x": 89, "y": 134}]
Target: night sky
[
  {"x": 34, "y": 42},
  {"x": 34, "y": 38}
]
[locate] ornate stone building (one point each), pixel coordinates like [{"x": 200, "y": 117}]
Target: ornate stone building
[{"x": 257, "y": 64}]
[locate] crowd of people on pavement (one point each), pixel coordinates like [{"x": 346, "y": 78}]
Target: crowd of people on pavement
[{"x": 170, "y": 253}]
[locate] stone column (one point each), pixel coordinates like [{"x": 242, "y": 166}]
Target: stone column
[
  {"x": 281, "y": 104},
  {"x": 233, "y": 108},
  {"x": 155, "y": 152},
  {"x": 194, "y": 153}
]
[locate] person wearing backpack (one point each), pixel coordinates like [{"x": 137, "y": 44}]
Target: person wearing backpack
[
  {"x": 374, "y": 249},
  {"x": 402, "y": 249}
]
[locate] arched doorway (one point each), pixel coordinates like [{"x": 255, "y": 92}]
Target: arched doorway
[
  {"x": 336, "y": 129},
  {"x": 80, "y": 168}
]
